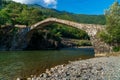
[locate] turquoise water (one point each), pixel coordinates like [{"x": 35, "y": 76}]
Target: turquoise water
[{"x": 25, "y": 63}]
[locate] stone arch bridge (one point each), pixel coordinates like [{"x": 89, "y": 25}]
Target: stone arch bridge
[{"x": 92, "y": 29}]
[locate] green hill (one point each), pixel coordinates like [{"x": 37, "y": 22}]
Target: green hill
[{"x": 17, "y": 13}]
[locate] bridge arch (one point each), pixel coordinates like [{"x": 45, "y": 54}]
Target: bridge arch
[{"x": 90, "y": 29}]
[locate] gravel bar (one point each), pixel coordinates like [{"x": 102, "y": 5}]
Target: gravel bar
[{"x": 100, "y": 68}]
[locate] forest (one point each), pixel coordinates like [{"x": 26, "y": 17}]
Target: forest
[{"x": 17, "y": 13}]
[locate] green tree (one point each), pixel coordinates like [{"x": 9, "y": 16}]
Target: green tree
[
  {"x": 111, "y": 34},
  {"x": 113, "y": 22}
]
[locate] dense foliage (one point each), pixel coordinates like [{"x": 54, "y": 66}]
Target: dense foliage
[
  {"x": 68, "y": 32},
  {"x": 112, "y": 33},
  {"x": 17, "y": 13}
]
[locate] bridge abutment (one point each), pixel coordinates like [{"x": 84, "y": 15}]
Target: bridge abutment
[{"x": 100, "y": 47}]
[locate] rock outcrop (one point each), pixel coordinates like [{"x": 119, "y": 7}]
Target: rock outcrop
[{"x": 13, "y": 38}]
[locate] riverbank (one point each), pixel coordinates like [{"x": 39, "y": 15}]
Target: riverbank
[
  {"x": 76, "y": 43},
  {"x": 106, "y": 54},
  {"x": 100, "y": 68}
]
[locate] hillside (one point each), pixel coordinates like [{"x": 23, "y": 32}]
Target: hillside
[
  {"x": 81, "y": 18},
  {"x": 16, "y": 13}
]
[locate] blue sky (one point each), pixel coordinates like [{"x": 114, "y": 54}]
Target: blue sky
[{"x": 74, "y": 6}]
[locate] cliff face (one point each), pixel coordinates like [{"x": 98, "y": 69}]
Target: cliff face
[
  {"x": 5, "y": 37},
  {"x": 19, "y": 39},
  {"x": 12, "y": 38}
]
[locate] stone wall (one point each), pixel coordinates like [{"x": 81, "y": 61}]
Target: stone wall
[{"x": 100, "y": 46}]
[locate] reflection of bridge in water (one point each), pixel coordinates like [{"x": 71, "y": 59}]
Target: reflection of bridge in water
[{"x": 91, "y": 29}]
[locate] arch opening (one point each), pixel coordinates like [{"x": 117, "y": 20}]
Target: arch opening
[{"x": 56, "y": 36}]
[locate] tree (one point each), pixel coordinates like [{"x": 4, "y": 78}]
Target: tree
[
  {"x": 113, "y": 22},
  {"x": 111, "y": 34}
]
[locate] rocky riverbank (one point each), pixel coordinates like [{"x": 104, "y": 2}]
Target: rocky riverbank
[
  {"x": 67, "y": 42},
  {"x": 102, "y": 68}
]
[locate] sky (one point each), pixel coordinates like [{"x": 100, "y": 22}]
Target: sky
[{"x": 94, "y": 7}]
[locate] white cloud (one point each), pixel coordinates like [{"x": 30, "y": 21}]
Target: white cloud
[
  {"x": 21, "y": 1},
  {"x": 50, "y": 2},
  {"x": 45, "y": 3}
]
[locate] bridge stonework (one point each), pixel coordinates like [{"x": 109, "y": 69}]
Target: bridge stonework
[{"x": 92, "y": 29}]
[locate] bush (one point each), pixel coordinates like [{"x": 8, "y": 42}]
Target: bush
[
  {"x": 68, "y": 32},
  {"x": 104, "y": 36},
  {"x": 116, "y": 48},
  {"x": 83, "y": 43}
]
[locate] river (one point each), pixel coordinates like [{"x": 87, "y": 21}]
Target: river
[{"x": 25, "y": 63}]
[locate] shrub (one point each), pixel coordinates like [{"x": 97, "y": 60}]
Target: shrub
[{"x": 116, "y": 48}]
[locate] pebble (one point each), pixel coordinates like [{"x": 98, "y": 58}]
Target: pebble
[
  {"x": 29, "y": 79},
  {"x": 18, "y": 79},
  {"x": 102, "y": 68}
]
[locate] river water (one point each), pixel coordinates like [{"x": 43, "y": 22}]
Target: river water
[{"x": 25, "y": 63}]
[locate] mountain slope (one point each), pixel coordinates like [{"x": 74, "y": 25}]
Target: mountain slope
[
  {"x": 17, "y": 13},
  {"x": 82, "y": 18}
]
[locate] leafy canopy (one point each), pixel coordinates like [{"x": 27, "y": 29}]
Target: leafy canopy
[
  {"x": 111, "y": 34},
  {"x": 113, "y": 22}
]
